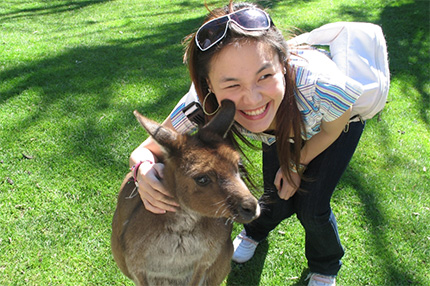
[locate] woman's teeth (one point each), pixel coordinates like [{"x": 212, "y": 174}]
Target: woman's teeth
[{"x": 255, "y": 112}]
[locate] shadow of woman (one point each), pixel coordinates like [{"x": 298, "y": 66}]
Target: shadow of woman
[{"x": 254, "y": 267}]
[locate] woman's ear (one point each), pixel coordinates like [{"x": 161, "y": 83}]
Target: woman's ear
[{"x": 209, "y": 84}]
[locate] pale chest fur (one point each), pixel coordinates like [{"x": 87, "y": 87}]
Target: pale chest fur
[{"x": 183, "y": 243}]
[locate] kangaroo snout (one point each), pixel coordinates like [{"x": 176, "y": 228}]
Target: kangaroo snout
[{"x": 248, "y": 210}]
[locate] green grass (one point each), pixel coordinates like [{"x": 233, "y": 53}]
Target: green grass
[{"x": 72, "y": 72}]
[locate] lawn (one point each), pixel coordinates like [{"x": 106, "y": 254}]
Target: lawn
[{"x": 72, "y": 72}]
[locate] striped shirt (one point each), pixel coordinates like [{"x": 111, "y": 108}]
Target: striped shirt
[{"x": 323, "y": 94}]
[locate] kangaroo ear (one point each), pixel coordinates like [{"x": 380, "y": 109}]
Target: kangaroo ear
[
  {"x": 165, "y": 137},
  {"x": 223, "y": 120}
]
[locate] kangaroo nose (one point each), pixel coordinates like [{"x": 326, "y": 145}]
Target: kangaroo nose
[{"x": 249, "y": 210}]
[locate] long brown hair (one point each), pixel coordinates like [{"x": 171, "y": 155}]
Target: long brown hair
[{"x": 288, "y": 117}]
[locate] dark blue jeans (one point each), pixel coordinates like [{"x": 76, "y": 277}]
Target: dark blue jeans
[{"x": 312, "y": 205}]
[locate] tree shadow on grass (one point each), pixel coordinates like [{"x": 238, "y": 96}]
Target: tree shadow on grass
[
  {"x": 408, "y": 38},
  {"x": 49, "y": 9},
  {"x": 271, "y": 4},
  {"x": 81, "y": 83}
]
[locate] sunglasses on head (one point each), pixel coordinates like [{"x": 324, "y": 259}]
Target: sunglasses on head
[{"x": 213, "y": 31}]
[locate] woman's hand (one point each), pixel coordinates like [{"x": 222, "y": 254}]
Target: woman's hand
[
  {"x": 285, "y": 189},
  {"x": 330, "y": 131},
  {"x": 154, "y": 195}
]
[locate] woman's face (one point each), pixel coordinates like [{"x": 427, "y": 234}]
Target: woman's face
[{"x": 252, "y": 76}]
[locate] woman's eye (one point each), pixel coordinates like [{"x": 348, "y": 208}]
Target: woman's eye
[
  {"x": 202, "y": 180},
  {"x": 265, "y": 76}
]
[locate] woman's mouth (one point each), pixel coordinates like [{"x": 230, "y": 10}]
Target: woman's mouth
[{"x": 256, "y": 113}]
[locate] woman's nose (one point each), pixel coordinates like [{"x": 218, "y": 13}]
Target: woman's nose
[{"x": 251, "y": 97}]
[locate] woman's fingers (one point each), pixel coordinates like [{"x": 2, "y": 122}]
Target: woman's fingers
[
  {"x": 152, "y": 191},
  {"x": 285, "y": 189},
  {"x": 151, "y": 208},
  {"x": 154, "y": 200}
]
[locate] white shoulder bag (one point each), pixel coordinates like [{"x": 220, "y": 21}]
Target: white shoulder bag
[{"x": 360, "y": 52}]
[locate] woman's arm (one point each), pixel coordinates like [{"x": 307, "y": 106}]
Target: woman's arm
[
  {"x": 330, "y": 131},
  {"x": 154, "y": 195}
]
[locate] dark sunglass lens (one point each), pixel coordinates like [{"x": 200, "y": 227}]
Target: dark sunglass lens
[
  {"x": 251, "y": 19},
  {"x": 212, "y": 32}
]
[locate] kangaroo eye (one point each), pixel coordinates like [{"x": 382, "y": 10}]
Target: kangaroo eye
[{"x": 202, "y": 180}]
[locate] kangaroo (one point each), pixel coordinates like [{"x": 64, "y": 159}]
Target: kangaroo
[{"x": 193, "y": 245}]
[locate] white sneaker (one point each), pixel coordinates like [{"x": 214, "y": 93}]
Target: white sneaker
[
  {"x": 321, "y": 280},
  {"x": 244, "y": 248}
]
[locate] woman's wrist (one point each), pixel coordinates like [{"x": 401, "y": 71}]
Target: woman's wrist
[
  {"x": 135, "y": 168},
  {"x": 297, "y": 168},
  {"x": 141, "y": 155}
]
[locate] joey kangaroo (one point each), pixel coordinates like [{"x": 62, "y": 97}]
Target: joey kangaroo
[{"x": 193, "y": 245}]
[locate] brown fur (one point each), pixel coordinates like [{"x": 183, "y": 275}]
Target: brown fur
[{"x": 192, "y": 246}]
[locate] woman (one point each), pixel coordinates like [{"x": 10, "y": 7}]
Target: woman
[{"x": 297, "y": 107}]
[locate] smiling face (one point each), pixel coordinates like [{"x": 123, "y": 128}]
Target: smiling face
[{"x": 252, "y": 76}]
